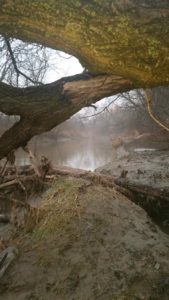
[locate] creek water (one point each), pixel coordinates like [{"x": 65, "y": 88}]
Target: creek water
[{"x": 87, "y": 154}]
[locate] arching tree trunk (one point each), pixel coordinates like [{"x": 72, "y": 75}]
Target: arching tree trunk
[
  {"x": 42, "y": 108},
  {"x": 128, "y": 38}
]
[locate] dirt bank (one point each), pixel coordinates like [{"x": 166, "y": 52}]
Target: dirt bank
[
  {"x": 89, "y": 243},
  {"x": 142, "y": 166}
]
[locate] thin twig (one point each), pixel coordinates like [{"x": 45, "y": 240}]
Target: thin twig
[{"x": 105, "y": 108}]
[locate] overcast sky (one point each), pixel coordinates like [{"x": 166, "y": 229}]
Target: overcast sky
[{"x": 62, "y": 65}]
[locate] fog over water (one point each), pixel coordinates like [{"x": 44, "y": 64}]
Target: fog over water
[
  {"x": 79, "y": 144},
  {"x": 85, "y": 154}
]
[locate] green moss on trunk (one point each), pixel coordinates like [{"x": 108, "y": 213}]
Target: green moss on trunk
[{"x": 126, "y": 38}]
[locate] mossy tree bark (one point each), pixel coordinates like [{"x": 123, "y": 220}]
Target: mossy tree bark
[{"x": 127, "y": 40}]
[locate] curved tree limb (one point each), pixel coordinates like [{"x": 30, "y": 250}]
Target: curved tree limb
[
  {"x": 152, "y": 116},
  {"x": 126, "y": 38},
  {"x": 42, "y": 108}
]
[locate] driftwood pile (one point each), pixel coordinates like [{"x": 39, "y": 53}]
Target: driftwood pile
[{"x": 45, "y": 172}]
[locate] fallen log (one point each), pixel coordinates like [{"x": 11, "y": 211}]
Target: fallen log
[
  {"x": 23, "y": 181},
  {"x": 122, "y": 185},
  {"x": 144, "y": 190},
  {"x": 8, "y": 183},
  {"x": 95, "y": 177}
]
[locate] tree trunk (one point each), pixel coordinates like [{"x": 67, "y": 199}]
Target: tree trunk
[
  {"x": 126, "y": 38},
  {"x": 42, "y": 108}
]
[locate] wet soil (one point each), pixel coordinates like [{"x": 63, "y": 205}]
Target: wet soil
[
  {"x": 145, "y": 161},
  {"x": 90, "y": 242}
]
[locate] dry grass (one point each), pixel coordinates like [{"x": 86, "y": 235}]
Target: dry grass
[{"x": 59, "y": 206}]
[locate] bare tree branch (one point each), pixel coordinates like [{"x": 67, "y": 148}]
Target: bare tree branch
[
  {"x": 43, "y": 107},
  {"x": 18, "y": 72},
  {"x": 104, "y": 109}
]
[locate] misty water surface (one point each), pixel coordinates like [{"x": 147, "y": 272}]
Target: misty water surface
[{"x": 87, "y": 154}]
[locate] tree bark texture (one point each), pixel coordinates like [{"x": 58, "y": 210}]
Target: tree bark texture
[
  {"x": 44, "y": 107},
  {"x": 128, "y": 38}
]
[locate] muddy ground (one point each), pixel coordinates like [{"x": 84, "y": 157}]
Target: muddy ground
[
  {"x": 144, "y": 166},
  {"x": 86, "y": 241},
  {"x": 145, "y": 163}
]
